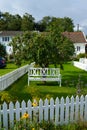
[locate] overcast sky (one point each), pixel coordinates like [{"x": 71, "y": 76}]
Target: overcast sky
[{"x": 75, "y": 9}]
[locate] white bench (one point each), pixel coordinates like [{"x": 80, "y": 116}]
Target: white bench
[{"x": 44, "y": 74}]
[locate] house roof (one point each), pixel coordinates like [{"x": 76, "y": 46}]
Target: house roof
[
  {"x": 75, "y": 37},
  {"x": 10, "y": 33}
]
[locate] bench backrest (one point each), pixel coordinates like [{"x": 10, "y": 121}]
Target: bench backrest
[{"x": 43, "y": 71}]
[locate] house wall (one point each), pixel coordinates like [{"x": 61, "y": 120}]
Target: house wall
[
  {"x": 5, "y": 40},
  {"x": 79, "y": 48}
]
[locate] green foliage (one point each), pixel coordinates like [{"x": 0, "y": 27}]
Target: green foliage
[
  {"x": 81, "y": 55},
  {"x": 61, "y": 24},
  {"x": 22, "y": 47},
  {"x": 63, "y": 47},
  {"x": 41, "y": 48},
  {"x": 27, "y": 22},
  {"x": 10, "y": 22},
  {"x": 5, "y": 97},
  {"x": 2, "y": 51},
  {"x": 16, "y": 22},
  {"x": 47, "y": 125},
  {"x": 26, "y": 124}
]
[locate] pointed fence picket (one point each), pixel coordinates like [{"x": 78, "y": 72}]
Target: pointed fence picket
[{"x": 61, "y": 111}]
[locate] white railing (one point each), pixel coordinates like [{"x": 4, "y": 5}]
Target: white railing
[
  {"x": 80, "y": 65},
  {"x": 61, "y": 111},
  {"x": 8, "y": 79},
  {"x": 83, "y": 60}
]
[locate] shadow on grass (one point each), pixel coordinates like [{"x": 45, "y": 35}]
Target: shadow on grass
[{"x": 46, "y": 83}]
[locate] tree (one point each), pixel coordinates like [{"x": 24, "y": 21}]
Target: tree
[
  {"x": 51, "y": 48},
  {"x": 2, "y": 51},
  {"x": 27, "y": 22},
  {"x": 62, "y": 24},
  {"x": 43, "y": 24},
  {"x": 63, "y": 47},
  {"x": 68, "y": 24},
  {"x": 10, "y": 22},
  {"x": 43, "y": 48},
  {"x": 22, "y": 45},
  {"x": 14, "y": 23}
]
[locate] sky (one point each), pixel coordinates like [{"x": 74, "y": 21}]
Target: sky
[{"x": 74, "y": 9}]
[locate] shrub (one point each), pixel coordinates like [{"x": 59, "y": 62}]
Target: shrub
[{"x": 81, "y": 55}]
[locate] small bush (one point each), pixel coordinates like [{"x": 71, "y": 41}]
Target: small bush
[
  {"x": 81, "y": 55},
  {"x": 46, "y": 125}
]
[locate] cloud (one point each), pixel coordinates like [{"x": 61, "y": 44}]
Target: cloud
[{"x": 75, "y": 9}]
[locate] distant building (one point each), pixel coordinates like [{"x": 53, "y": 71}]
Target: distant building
[
  {"x": 6, "y": 38},
  {"x": 78, "y": 39}
]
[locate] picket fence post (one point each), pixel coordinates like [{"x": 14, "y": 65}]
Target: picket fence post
[
  {"x": 40, "y": 110},
  {"x": 46, "y": 110},
  {"x": 85, "y": 110},
  {"x": 17, "y": 112},
  {"x": 51, "y": 109},
  {"x": 72, "y": 109},
  {"x": 11, "y": 115},
  {"x": 62, "y": 110},
  {"x": 67, "y": 110}
]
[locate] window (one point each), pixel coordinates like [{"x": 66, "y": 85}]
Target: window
[
  {"x": 78, "y": 48},
  {"x": 5, "y": 39}
]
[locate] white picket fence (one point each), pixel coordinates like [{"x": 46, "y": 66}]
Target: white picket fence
[
  {"x": 8, "y": 79},
  {"x": 82, "y": 64},
  {"x": 61, "y": 111}
]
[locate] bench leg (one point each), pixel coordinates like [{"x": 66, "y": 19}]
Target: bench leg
[{"x": 60, "y": 83}]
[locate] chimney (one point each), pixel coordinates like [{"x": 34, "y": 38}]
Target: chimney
[{"x": 77, "y": 27}]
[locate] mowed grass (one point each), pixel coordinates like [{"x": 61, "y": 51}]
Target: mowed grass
[
  {"x": 70, "y": 75},
  {"x": 10, "y": 67}
]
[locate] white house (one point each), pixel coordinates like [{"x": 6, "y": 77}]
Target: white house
[
  {"x": 78, "y": 39},
  {"x": 6, "y": 37}
]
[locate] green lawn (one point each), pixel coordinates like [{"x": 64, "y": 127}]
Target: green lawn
[
  {"x": 70, "y": 75},
  {"x": 10, "y": 67}
]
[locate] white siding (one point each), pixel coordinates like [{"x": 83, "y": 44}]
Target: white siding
[
  {"x": 82, "y": 48},
  {"x": 6, "y": 44}
]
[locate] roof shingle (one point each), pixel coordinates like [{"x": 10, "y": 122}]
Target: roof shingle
[
  {"x": 75, "y": 37},
  {"x": 10, "y": 33}
]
